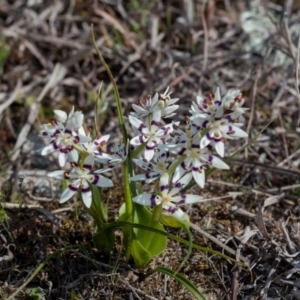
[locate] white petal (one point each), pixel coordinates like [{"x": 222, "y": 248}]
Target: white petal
[
  {"x": 135, "y": 122},
  {"x": 174, "y": 211},
  {"x": 154, "y": 99},
  {"x": 144, "y": 164},
  {"x": 179, "y": 171},
  {"x": 60, "y": 115},
  {"x": 156, "y": 118},
  {"x": 62, "y": 158},
  {"x": 139, "y": 177},
  {"x": 138, "y": 109},
  {"x": 138, "y": 140},
  {"x": 73, "y": 155},
  {"x": 239, "y": 132},
  {"x": 219, "y": 164},
  {"x": 149, "y": 150},
  {"x": 188, "y": 199},
  {"x": 104, "y": 138},
  {"x": 89, "y": 161},
  {"x": 48, "y": 149},
  {"x": 181, "y": 183},
  {"x": 220, "y": 148},
  {"x": 87, "y": 198},
  {"x": 199, "y": 177},
  {"x": 66, "y": 195},
  {"x": 82, "y": 132},
  {"x": 84, "y": 139},
  {"x": 164, "y": 184},
  {"x": 75, "y": 120},
  {"x": 148, "y": 199},
  {"x": 169, "y": 110},
  {"x": 101, "y": 181},
  {"x": 57, "y": 175},
  {"x": 104, "y": 158},
  {"x": 204, "y": 142},
  {"x": 218, "y": 94},
  {"x": 185, "y": 179},
  {"x": 109, "y": 168}
]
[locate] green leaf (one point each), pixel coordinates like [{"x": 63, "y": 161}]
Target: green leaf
[
  {"x": 127, "y": 231},
  {"x": 171, "y": 221},
  {"x": 104, "y": 240},
  {"x": 141, "y": 248},
  {"x": 175, "y": 238},
  {"x": 140, "y": 255},
  {"x": 36, "y": 293},
  {"x": 143, "y": 216},
  {"x": 181, "y": 279}
]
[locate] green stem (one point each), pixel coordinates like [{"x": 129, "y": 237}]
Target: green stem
[
  {"x": 156, "y": 213},
  {"x": 190, "y": 247},
  {"x": 138, "y": 150},
  {"x": 129, "y": 211},
  {"x": 175, "y": 165},
  {"x": 129, "y": 188},
  {"x": 115, "y": 88}
]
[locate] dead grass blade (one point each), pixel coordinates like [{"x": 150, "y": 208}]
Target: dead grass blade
[
  {"x": 34, "y": 110},
  {"x": 297, "y": 74},
  {"x": 12, "y": 98},
  {"x": 259, "y": 220}
]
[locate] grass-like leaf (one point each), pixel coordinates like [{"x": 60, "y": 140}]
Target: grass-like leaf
[
  {"x": 181, "y": 279},
  {"x": 175, "y": 238}
]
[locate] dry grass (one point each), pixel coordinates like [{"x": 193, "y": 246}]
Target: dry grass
[{"x": 49, "y": 62}]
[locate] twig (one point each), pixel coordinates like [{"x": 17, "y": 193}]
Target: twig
[
  {"x": 134, "y": 290},
  {"x": 254, "y": 94},
  {"x": 297, "y": 74},
  {"x": 13, "y": 206},
  {"x": 206, "y": 33},
  {"x": 283, "y": 135},
  {"x": 287, "y": 159},
  {"x": 12, "y": 98},
  {"x": 269, "y": 278},
  {"x": 216, "y": 241},
  {"x": 283, "y": 86},
  {"x": 266, "y": 167},
  {"x": 37, "y": 198}
]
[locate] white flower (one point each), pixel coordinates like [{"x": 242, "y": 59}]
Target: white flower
[
  {"x": 63, "y": 140},
  {"x": 97, "y": 146},
  {"x": 165, "y": 103},
  {"x": 170, "y": 199},
  {"x": 207, "y": 107},
  {"x": 73, "y": 121},
  {"x": 233, "y": 101},
  {"x": 162, "y": 105},
  {"x": 196, "y": 158},
  {"x": 151, "y": 136},
  {"x": 219, "y": 131},
  {"x": 79, "y": 180},
  {"x": 146, "y": 107},
  {"x": 117, "y": 155},
  {"x": 154, "y": 169}
]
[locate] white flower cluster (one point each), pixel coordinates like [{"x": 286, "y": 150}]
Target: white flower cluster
[
  {"x": 68, "y": 138},
  {"x": 170, "y": 155},
  {"x": 175, "y": 156}
]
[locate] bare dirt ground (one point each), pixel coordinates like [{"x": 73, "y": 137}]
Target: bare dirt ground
[{"x": 47, "y": 62}]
